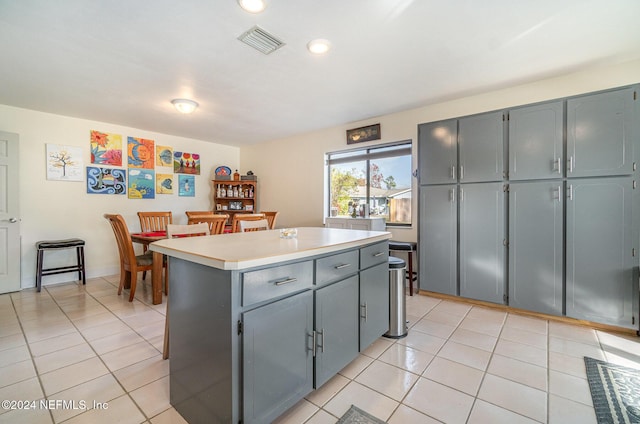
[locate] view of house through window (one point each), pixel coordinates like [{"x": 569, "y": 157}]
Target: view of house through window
[{"x": 374, "y": 181}]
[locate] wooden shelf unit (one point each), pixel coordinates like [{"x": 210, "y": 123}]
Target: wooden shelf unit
[{"x": 227, "y": 204}]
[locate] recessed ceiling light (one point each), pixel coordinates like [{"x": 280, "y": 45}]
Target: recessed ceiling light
[
  {"x": 184, "y": 105},
  {"x": 319, "y": 46},
  {"x": 253, "y": 6}
]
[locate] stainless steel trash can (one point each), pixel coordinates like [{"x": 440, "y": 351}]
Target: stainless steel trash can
[{"x": 397, "y": 299}]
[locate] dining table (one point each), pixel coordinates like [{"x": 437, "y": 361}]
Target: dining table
[{"x": 158, "y": 258}]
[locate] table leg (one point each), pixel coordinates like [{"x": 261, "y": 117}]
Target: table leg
[{"x": 156, "y": 278}]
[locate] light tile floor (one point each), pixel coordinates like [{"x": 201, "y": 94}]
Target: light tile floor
[{"x": 96, "y": 358}]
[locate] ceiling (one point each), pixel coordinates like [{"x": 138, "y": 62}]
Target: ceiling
[{"x": 122, "y": 61}]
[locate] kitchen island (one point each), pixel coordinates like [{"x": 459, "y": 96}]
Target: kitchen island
[{"x": 257, "y": 322}]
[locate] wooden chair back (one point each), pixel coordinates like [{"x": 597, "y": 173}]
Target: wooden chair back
[
  {"x": 154, "y": 221},
  {"x": 258, "y": 225},
  {"x": 235, "y": 226},
  {"x": 271, "y": 217},
  {"x": 215, "y": 223},
  {"x": 176, "y": 230},
  {"x": 193, "y": 214}
]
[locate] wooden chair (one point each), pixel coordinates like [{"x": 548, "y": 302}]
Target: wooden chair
[
  {"x": 216, "y": 223},
  {"x": 193, "y": 214},
  {"x": 178, "y": 231},
  {"x": 235, "y": 226},
  {"x": 271, "y": 217},
  {"x": 257, "y": 225},
  {"x": 130, "y": 264},
  {"x": 153, "y": 221}
]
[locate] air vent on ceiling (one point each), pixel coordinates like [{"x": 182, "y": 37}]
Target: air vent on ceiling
[{"x": 261, "y": 40}]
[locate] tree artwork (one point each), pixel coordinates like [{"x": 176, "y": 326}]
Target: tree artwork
[{"x": 64, "y": 163}]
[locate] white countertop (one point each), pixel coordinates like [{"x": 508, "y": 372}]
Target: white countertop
[{"x": 245, "y": 250}]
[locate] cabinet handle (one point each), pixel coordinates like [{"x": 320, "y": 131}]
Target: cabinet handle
[
  {"x": 461, "y": 195},
  {"x": 559, "y": 165},
  {"x": 364, "y": 308},
  {"x": 461, "y": 172},
  {"x": 377, "y": 255},
  {"x": 570, "y": 164},
  {"x": 452, "y": 195},
  {"x": 343, "y": 266},
  {"x": 559, "y": 194},
  {"x": 570, "y": 192},
  {"x": 286, "y": 281},
  {"x": 453, "y": 172},
  {"x": 314, "y": 340},
  {"x": 322, "y": 333}
]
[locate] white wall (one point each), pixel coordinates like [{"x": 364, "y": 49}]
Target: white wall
[
  {"x": 58, "y": 210},
  {"x": 291, "y": 170}
]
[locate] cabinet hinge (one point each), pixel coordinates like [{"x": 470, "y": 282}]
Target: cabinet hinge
[
  {"x": 633, "y": 320},
  {"x": 505, "y": 242},
  {"x": 505, "y": 188},
  {"x": 635, "y": 95},
  {"x": 505, "y": 298},
  {"x": 505, "y": 117},
  {"x": 633, "y": 252},
  {"x": 239, "y": 327}
]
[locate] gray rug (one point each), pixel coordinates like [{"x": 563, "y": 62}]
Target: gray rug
[
  {"x": 615, "y": 391},
  {"x": 356, "y": 415}
]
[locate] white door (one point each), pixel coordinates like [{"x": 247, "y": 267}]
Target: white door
[{"x": 9, "y": 214}]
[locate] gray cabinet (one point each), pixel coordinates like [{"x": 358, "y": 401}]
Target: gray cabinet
[
  {"x": 438, "y": 152},
  {"x": 482, "y": 242},
  {"x": 599, "y": 253},
  {"x": 336, "y": 326},
  {"x": 469, "y": 149},
  {"x": 481, "y": 147},
  {"x": 536, "y": 141},
  {"x": 600, "y": 134},
  {"x": 277, "y": 358},
  {"x": 374, "y": 303},
  {"x": 438, "y": 235},
  {"x": 536, "y": 246}
]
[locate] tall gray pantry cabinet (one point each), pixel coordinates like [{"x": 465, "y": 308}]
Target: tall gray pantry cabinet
[{"x": 568, "y": 220}]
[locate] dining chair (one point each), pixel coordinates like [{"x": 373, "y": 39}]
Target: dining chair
[
  {"x": 179, "y": 231},
  {"x": 271, "y": 217},
  {"x": 130, "y": 263},
  {"x": 235, "y": 226},
  {"x": 194, "y": 230},
  {"x": 258, "y": 225},
  {"x": 153, "y": 221},
  {"x": 215, "y": 223},
  {"x": 193, "y": 214}
]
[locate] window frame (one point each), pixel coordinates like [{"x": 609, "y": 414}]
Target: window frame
[{"x": 368, "y": 154}]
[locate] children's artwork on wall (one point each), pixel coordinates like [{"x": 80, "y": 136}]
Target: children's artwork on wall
[
  {"x": 164, "y": 183},
  {"x": 164, "y": 156},
  {"x": 106, "y": 180},
  {"x": 106, "y": 148},
  {"x": 186, "y": 186},
  {"x": 64, "y": 163},
  {"x": 140, "y": 153},
  {"x": 142, "y": 184},
  {"x": 186, "y": 163}
]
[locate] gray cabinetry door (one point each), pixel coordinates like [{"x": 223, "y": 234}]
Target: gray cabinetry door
[
  {"x": 599, "y": 251},
  {"x": 277, "y": 360},
  {"x": 336, "y": 328},
  {"x": 438, "y": 239},
  {"x": 481, "y": 148},
  {"x": 374, "y": 304},
  {"x": 535, "y": 246},
  {"x": 600, "y": 134},
  {"x": 482, "y": 238},
  {"x": 535, "y": 141},
  {"x": 438, "y": 152}
]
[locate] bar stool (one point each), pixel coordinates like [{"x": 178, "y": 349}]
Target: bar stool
[
  {"x": 409, "y": 247},
  {"x": 42, "y": 246}
]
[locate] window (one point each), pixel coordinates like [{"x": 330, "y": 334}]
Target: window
[{"x": 377, "y": 178}]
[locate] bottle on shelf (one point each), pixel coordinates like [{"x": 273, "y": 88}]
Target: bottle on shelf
[
  {"x": 235, "y": 191},
  {"x": 230, "y": 191},
  {"x": 223, "y": 192},
  {"x": 218, "y": 191},
  {"x": 236, "y": 176},
  {"x": 251, "y": 191},
  {"x": 241, "y": 191}
]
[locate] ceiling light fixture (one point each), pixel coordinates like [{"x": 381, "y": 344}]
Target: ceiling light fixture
[
  {"x": 253, "y": 6},
  {"x": 184, "y": 105},
  {"x": 319, "y": 46}
]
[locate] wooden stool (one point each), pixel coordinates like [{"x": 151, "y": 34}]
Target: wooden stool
[
  {"x": 60, "y": 244},
  {"x": 409, "y": 247}
]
